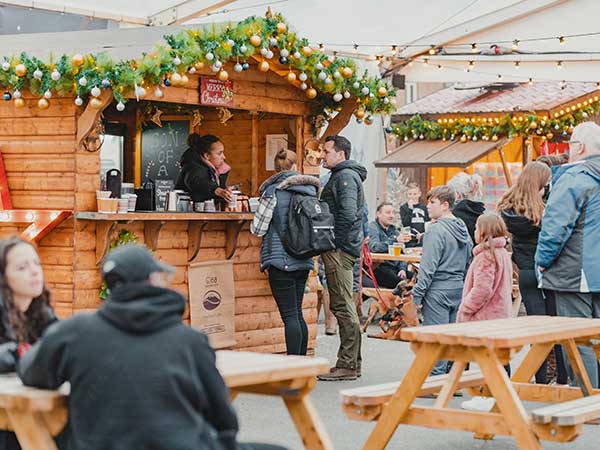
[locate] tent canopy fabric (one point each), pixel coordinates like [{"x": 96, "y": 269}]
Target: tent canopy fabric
[{"x": 439, "y": 153}]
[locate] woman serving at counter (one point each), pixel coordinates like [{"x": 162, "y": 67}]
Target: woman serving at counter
[{"x": 203, "y": 169}]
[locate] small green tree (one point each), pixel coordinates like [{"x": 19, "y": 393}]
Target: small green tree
[{"x": 124, "y": 237}]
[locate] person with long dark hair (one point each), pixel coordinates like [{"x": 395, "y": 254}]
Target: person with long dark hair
[
  {"x": 287, "y": 274},
  {"x": 25, "y": 310},
  {"x": 204, "y": 171},
  {"x": 522, "y": 208}
]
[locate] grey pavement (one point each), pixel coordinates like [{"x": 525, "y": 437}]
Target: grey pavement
[{"x": 264, "y": 419}]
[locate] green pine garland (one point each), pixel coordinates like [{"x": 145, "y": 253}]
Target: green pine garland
[
  {"x": 124, "y": 237},
  {"x": 224, "y": 43},
  {"x": 509, "y": 125}
]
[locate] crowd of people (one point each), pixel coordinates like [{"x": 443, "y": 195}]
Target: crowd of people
[{"x": 547, "y": 224}]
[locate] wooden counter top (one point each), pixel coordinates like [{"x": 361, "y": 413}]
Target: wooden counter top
[
  {"x": 154, "y": 221},
  {"x": 86, "y": 215}
]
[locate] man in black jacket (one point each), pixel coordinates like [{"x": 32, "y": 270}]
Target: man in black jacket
[
  {"x": 140, "y": 378},
  {"x": 345, "y": 197}
]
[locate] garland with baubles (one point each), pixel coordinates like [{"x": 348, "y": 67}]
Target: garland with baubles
[
  {"x": 266, "y": 39},
  {"x": 492, "y": 128}
]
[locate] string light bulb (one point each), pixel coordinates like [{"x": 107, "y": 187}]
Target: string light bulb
[
  {"x": 515, "y": 44},
  {"x": 530, "y": 82},
  {"x": 561, "y": 40},
  {"x": 394, "y": 50},
  {"x": 432, "y": 50},
  {"x": 597, "y": 84},
  {"x": 471, "y": 65},
  {"x": 425, "y": 62},
  {"x": 322, "y": 48},
  {"x": 440, "y": 67},
  {"x": 517, "y": 64},
  {"x": 499, "y": 77},
  {"x": 474, "y": 47},
  {"x": 355, "y": 48},
  {"x": 559, "y": 65}
]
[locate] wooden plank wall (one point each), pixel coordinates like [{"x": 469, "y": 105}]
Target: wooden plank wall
[{"x": 38, "y": 149}]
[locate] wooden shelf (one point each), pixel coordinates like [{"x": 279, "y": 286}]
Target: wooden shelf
[
  {"x": 128, "y": 217},
  {"x": 154, "y": 221}
]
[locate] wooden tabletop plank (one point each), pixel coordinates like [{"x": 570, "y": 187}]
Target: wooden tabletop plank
[
  {"x": 158, "y": 215},
  {"x": 504, "y": 333},
  {"x": 413, "y": 258},
  {"x": 247, "y": 368}
]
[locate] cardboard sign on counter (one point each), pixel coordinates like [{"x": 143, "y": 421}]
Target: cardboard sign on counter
[{"x": 212, "y": 301}]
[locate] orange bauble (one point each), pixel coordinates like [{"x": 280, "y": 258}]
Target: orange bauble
[
  {"x": 95, "y": 103},
  {"x": 281, "y": 27},
  {"x": 291, "y": 77},
  {"x": 307, "y": 51},
  {"x": 43, "y": 103},
  {"x": 359, "y": 113},
  {"x": 263, "y": 66},
  {"x": 78, "y": 60},
  {"x": 311, "y": 93},
  {"x": 347, "y": 72},
  {"x": 19, "y": 103},
  {"x": 20, "y": 70},
  {"x": 223, "y": 75},
  {"x": 255, "y": 40},
  {"x": 184, "y": 79},
  {"x": 199, "y": 65},
  {"x": 382, "y": 91}
]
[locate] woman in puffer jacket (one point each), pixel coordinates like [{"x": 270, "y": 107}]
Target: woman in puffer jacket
[{"x": 287, "y": 275}]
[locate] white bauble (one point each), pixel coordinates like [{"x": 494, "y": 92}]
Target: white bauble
[
  {"x": 347, "y": 94},
  {"x": 55, "y": 75},
  {"x": 79, "y": 101},
  {"x": 192, "y": 70},
  {"x": 95, "y": 91},
  {"x": 322, "y": 76},
  {"x": 158, "y": 93},
  {"x": 38, "y": 74},
  {"x": 297, "y": 55},
  {"x": 243, "y": 48},
  {"x": 284, "y": 52},
  {"x": 303, "y": 86},
  {"x": 269, "y": 54},
  {"x": 263, "y": 51},
  {"x": 140, "y": 92},
  {"x": 302, "y": 77},
  {"x": 356, "y": 85},
  {"x": 5, "y": 66},
  {"x": 17, "y": 94},
  {"x": 336, "y": 74},
  {"x": 238, "y": 68},
  {"x": 120, "y": 106},
  {"x": 319, "y": 66},
  {"x": 177, "y": 60},
  {"x": 272, "y": 42},
  {"x": 48, "y": 94},
  {"x": 365, "y": 91},
  {"x": 328, "y": 81},
  {"x": 209, "y": 56},
  {"x": 83, "y": 81},
  {"x": 338, "y": 97}
]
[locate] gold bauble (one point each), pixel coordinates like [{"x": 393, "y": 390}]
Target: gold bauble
[
  {"x": 291, "y": 77},
  {"x": 255, "y": 40},
  {"x": 495, "y": 138},
  {"x": 533, "y": 125},
  {"x": 359, "y": 113},
  {"x": 368, "y": 121},
  {"x": 549, "y": 135},
  {"x": 223, "y": 75},
  {"x": 311, "y": 93},
  {"x": 307, "y": 51},
  {"x": 19, "y": 103},
  {"x": 281, "y": 27},
  {"x": 96, "y": 103},
  {"x": 20, "y": 70},
  {"x": 175, "y": 79},
  {"x": 78, "y": 60},
  {"x": 263, "y": 66},
  {"x": 184, "y": 79},
  {"x": 463, "y": 138},
  {"x": 382, "y": 91},
  {"x": 329, "y": 87},
  {"x": 43, "y": 103},
  {"x": 347, "y": 72},
  {"x": 199, "y": 65}
]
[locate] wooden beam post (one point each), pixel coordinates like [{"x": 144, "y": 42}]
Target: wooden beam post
[
  {"x": 505, "y": 167},
  {"x": 255, "y": 153}
]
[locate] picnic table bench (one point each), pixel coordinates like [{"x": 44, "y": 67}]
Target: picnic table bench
[
  {"x": 491, "y": 344},
  {"x": 37, "y": 414}
]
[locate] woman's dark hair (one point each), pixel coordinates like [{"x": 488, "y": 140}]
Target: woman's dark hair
[
  {"x": 27, "y": 326},
  {"x": 202, "y": 143}
]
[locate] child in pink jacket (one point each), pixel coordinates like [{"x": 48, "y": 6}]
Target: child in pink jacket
[
  {"x": 488, "y": 284},
  {"x": 487, "y": 293}
]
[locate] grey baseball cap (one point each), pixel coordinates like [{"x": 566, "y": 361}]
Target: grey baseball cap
[{"x": 131, "y": 263}]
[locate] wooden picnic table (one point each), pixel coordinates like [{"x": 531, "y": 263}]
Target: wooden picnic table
[
  {"x": 491, "y": 344},
  {"x": 407, "y": 257},
  {"x": 37, "y": 414}
]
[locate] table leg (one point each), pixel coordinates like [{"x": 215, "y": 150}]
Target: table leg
[
  {"x": 532, "y": 362},
  {"x": 31, "y": 430},
  {"x": 581, "y": 375},
  {"x": 306, "y": 419},
  {"x": 450, "y": 386},
  {"x": 507, "y": 399},
  {"x": 398, "y": 406}
]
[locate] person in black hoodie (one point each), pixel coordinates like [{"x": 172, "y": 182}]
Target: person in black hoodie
[
  {"x": 522, "y": 208},
  {"x": 140, "y": 378},
  {"x": 25, "y": 310},
  {"x": 203, "y": 169},
  {"x": 469, "y": 192}
]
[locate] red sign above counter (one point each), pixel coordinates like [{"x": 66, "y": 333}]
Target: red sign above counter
[{"x": 215, "y": 92}]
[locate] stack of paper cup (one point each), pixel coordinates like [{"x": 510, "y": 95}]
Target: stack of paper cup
[
  {"x": 123, "y": 205},
  {"x": 132, "y": 201}
]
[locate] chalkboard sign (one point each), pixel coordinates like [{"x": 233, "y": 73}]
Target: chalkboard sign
[
  {"x": 162, "y": 187},
  {"x": 162, "y": 149}
]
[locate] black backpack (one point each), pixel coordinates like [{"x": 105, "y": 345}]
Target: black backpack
[{"x": 310, "y": 227}]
